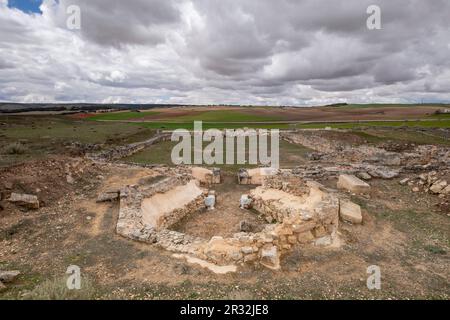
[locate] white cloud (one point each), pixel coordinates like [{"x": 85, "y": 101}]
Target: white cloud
[{"x": 210, "y": 51}]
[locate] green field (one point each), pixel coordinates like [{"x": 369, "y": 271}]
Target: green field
[
  {"x": 211, "y": 116},
  {"x": 128, "y": 115},
  {"x": 292, "y": 155},
  {"x": 234, "y": 119},
  {"x": 215, "y": 125},
  {"x": 39, "y": 136},
  {"x": 379, "y": 135},
  {"x": 41, "y": 128},
  {"x": 229, "y": 116},
  {"x": 443, "y": 123},
  {"x": 390, "y": 105}
]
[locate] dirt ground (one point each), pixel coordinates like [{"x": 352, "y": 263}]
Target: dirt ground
[
  {"x": 404, "y": 233},
  {"x": 409, "y": 240},
  {"x": 225, "y": 220}
]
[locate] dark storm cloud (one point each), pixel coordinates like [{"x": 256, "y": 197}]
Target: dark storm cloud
[
  {"x": 211, "y": 51},
  {"x": 118, "y": 22}
]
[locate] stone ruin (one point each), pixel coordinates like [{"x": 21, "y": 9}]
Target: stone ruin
[{"x": 297, "y": 212}]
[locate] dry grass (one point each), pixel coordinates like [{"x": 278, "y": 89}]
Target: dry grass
[
  {"x": 56, "y": 289},
  {"x": 15, "y": 148}
]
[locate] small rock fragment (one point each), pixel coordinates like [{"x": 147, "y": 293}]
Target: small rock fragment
[
  {"x": 353, "y": 184},
  {"x": 25, "y": 200},
  {"x": 8, "y": 276}
]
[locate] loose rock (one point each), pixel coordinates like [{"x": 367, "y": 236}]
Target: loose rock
[
  {"x": 350, "y": 212},
  {"x": 25, "y": 200},
  {"x": 353, "y": 184}
]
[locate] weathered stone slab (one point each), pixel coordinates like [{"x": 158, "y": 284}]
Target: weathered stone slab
[
  {"x": 108, "y": 196},
  {"x": 350, "y": 212},
  {"x": 438, "y": 186},
  {"x": 246, "y": 202},
  {"x": 25, "y": 200},
  {"x": 353, "y": 184},
  {"x": 270, "y": 257},
  {"x": 206, "y": 176},
  {"x": 254, "y": 176},
  {"x": 157, "y": 207},
  {"x": 446, "y": 190},
  {"x": 8, "y": 276}
]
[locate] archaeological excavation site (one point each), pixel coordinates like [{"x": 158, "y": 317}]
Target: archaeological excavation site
[
  {"x": 292, "y": 212},
  {"x": 237, "y": 158},
  {"x": 138, "y": 226}
]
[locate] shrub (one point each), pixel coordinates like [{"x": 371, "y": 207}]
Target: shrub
[{"x": 15, "y": 148}]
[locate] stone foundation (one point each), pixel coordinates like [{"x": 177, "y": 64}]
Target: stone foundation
[
  {"x": 128, "y": 150},
  {"x": 297, "y": 212},
  {"x": 206, "y": 176},
  {"x": 254, "y": 176}
]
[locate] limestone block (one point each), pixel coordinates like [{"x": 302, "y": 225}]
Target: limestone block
[
  {"x": 210, "y": 202},
  {"x": 303, "y": 227},
  {"x": 305, "y": 237},
  {"x": 108, "y": 196},
  {"x": 292, "y": 239},
  {"x": 353, "y": 184},
  {"x": 324, "y": 241},
  {"x": 350, "y": 212},
  {"x": 8, "y": 276},
  {"x": 438, "y": 186},
  {"x": 446, "y": 190},
  {"x": 216, "y": 175},
  {"x": 250, "y": 257},
  {"x": 25, "y": 200},
  {"x": 319, "y": 231},
  {"x": 246, "y": 202},
  {"x": 247, "y": 250}
]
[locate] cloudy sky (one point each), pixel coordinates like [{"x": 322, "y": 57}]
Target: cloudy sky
[{"x": 264, "y": 52}]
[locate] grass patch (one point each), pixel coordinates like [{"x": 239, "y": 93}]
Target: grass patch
[
  {"x": 15, "y": 148},
  {"x": 210, "y": 115},
  {"x": 390, "y": 105},
  {"x": 40, "y": 130},
  {"x": 435, "y": 250},
  {"x": 362, "y": 124},
  {"x": 210, "y": 125},
  {"x": 56, "y": 289},
  {"x": 228, "y": 116},
  {"x": 428, "y": 232},
  {"x": 369, "y": 137},
  {"x": 441, "y": 116},
  {"x": 45, "y": 135},
  {"x": 290, "y": 155},
  {"x": 408, "y": 136}
]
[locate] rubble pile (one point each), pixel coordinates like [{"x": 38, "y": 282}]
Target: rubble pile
[{"x": 431, "y": 182}]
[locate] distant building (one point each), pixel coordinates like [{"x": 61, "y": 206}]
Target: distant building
[{"x": 443, "y": 111}]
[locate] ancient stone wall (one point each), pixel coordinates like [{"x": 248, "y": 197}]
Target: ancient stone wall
[
  {"x": 314, "y": 223},
  {"x": 128, "y": 150},
  {"x": 131, "y": 223},
  {"x": 298, "y": 213}
]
